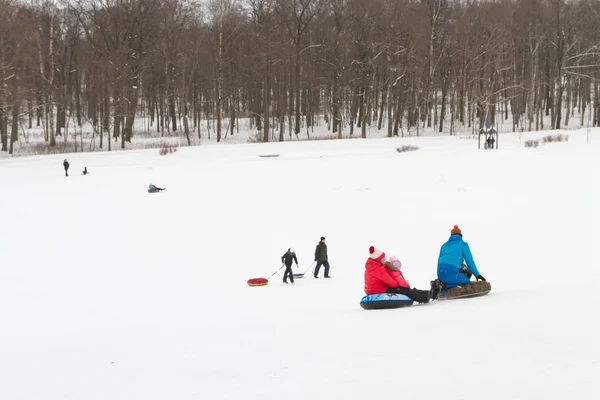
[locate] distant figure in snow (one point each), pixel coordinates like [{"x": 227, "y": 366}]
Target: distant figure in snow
[
  {"x": 383, "y": 276},
  {"x": 451, "y": 270},
  {"x": 85, "y": 171},
  {"x": 154, "y": 189},
  {"x": 66, "y": 165},
  {"x": 490, "y": 141},
  {"x": 288, "y": 258},
  {"x": 321, "y": 258}
]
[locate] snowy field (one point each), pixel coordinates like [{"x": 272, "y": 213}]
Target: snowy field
[{"x": 110, "y": 293}]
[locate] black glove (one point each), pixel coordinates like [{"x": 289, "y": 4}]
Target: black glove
[
  {"x": 465, "y": 271},
  {"x": 480, "y": 278}
]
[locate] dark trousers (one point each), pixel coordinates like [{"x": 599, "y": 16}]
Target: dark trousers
[
  {"x": 324, "y": 264},
  {"x": 420, "y": 296},
  {"x": 288, "y": 273},
  {"x": 66, "y": 172}
]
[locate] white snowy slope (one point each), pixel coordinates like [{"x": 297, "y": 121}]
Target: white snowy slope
[{"x": 108, "y": 292}]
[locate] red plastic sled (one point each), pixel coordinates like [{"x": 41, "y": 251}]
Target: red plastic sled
[{"x": 258, "y": 281}]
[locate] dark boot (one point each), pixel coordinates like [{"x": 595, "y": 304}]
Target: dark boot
[
  {"x": 436, "y": 288},
  {"x": 420, "y": 296}
]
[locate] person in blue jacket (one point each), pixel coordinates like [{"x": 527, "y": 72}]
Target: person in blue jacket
[{"x": 451, "y": 270}]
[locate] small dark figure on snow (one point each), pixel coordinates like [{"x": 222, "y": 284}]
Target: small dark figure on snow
[
  {"x": 288, "y": 258},
  {"x": 66, "y": 165},
  {"x": 85, "y": 171},
  {"x": 321, "y": 258},
  {"x": 490, "y": 142},
  {"x": 154, "y": 189}
]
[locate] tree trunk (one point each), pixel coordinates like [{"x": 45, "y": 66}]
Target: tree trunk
[
  {"x": 3, "y": 126},
  {"x": 569, "y": 100},
  {"x": 382, "y": 106},
  {"x": 172, "y": 112},
  {"x": 30, "y": 113},
  {"x": 50, "y": 118},
  {"x": 390, "y": 114},
  {"x": 266, "y": 102},
  {"x": 398, "y": 116},
  {"x": 14, "y": 126},
  {"x": 282, "y": 107},
  {"x": 297, "y": 91},
  {"x": 363, "y": 111},
  {"x": 445, "y": 85}
]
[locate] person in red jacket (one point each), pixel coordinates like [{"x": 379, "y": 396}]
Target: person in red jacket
[
  {"x": 394, "y": 266},
  {"x": 382, "y": 277}
]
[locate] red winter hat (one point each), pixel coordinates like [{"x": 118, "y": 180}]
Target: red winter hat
[
  {"x": 456, "y": 231},
  {"x": 376, "y": 254}
]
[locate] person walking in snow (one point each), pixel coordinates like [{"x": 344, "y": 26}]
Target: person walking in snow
[
  {"x": 66, "y": 165},
  {"x": 288, "y": 258},
  {"x": 85, "y": 171},
  {"x": 383, "y": 276},
  {"x": 321, "y": 258},
  {"x": 450, "y": 269}
]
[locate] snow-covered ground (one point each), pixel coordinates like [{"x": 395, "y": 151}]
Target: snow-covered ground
[{"x": 108, "y": 292}]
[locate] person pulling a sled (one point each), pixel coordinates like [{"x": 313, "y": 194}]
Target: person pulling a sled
[
  {"x": 382, "y": 276},
  {"x": 451, "y": 270},
  {"x": 154, "y": 189},
  {"x": 288, "y": 258}
]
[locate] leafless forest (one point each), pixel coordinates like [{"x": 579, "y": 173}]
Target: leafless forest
[{"x": 391, "y": 65}]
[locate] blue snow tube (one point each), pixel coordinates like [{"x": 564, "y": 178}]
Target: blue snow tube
[{"x": 384, "y": 301}]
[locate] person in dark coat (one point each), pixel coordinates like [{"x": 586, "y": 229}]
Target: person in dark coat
[
  {"x": 321, "y": 258},
  {"x": 66, "y": 165},
  {"x": 85, "y": 171},
  {"x": 154, "y": 189},
  {"x": 288, "y": 258}
]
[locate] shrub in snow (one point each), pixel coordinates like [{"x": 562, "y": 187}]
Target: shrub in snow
[
  {"x": 555, "y": 138},
  {"x": 405, "y": 148},
  {"x": 167, "y": 149},
  {"x": 255, "y": 138},
  {"x": 258, "y": 138},
  {"x": 532, "y": 143},
  {"x": 39, "y": 148},
  {"x": 329, "y": 137}
]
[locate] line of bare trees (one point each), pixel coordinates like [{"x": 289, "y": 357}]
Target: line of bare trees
[{"x": 286, "y": 64}]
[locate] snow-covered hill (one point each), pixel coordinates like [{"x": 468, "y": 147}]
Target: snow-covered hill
[{"x": 108, "y": 292}]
